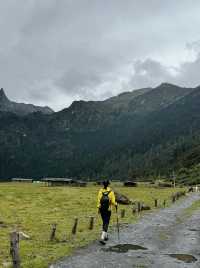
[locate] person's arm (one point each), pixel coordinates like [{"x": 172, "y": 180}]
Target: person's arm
[
  {"x": 99, "y": 199},
  {"x": 113, "y": 200}
]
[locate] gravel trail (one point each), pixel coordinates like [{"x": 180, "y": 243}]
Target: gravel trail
[{"x": 161, "y": 239}]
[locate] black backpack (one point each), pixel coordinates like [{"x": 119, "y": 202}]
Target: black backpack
[{"x": 105, "y": 200}]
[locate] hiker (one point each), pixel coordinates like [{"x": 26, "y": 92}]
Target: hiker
[{"x": 106, "y": 199}]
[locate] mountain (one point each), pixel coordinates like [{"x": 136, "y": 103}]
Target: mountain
[
  {"x": 93, "y": 115},
  {"x": 20, "y": 108},
  {"x": 164, "y": 140},
  {"x": 138, "y": 133}
]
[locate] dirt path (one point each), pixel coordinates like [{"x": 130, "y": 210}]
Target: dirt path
[{"x": 147, "y": 243}]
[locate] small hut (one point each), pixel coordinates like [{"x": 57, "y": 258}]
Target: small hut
[
  {"x": 63, "y": 182},
  {"x": 57, "y": 181},
  {"x": 79, "y": 183},
  {"x": 22, "y": 180},
  {"x": 165, "y": 184},
  {"x": 130, "y": 184}
]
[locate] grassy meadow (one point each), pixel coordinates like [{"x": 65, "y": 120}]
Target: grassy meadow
[{"x": 33, "y": 208}]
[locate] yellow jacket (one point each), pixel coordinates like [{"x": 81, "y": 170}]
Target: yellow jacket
[{"x": 111, "y": 197}]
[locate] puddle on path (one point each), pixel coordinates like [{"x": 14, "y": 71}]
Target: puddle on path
[
  {"x": 183, "y": 257},
  {"x": 123, "y": 248}
]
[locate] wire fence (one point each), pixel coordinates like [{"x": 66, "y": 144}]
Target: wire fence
[{"x": 135, "y": 208}]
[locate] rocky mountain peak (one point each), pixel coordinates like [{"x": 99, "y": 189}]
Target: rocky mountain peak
[
  {"x": 7, "y": 105},
  {"x": 167, "y": 85},
  {"x": 3, "y": 97}
]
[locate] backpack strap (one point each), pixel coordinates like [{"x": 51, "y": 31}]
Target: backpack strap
[{"x": 106, "y": 193}]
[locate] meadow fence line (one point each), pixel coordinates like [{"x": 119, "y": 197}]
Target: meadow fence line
[
  {"x": 14, "y": 249},
  {"x": 136, "y": 207}
]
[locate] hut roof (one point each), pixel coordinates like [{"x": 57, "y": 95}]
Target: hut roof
[
  {"x": 130, "y": 183},
  {"x": 21, "y": 179},
  {"x": 57, "y": 180}
]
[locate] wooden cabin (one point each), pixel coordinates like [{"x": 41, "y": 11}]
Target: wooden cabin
[
  {"x": 56, "y": 181},
  {"x": 22, "y": 180},
  {"x": 79, "y": 183},
  {"x": 130, "y": 184},
  {"x": 63, "y": 182}
]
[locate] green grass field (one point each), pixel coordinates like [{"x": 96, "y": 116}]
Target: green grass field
[{"x": 33, "y": 208}]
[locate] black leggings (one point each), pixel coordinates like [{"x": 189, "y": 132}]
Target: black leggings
[{"x": 105, "y": 215}]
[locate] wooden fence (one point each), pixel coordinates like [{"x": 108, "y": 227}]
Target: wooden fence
[{"x": 136, "y": 208}]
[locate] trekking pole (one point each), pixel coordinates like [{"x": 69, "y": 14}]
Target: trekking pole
[{"x": 117, "y": 223}]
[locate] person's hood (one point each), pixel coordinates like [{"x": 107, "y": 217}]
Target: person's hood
[{"x": 106, "y": 190}]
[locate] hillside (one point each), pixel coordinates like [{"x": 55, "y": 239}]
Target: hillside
[
  {"x": 20, "y": 108},
  {"x": 137, "y": 133},
  {"x": 163, "y": 141}
]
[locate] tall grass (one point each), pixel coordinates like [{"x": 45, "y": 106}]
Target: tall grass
[{"x": 32, "y": 208}]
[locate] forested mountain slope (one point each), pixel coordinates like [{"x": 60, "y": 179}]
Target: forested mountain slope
[{"x": 136, "y": 133}]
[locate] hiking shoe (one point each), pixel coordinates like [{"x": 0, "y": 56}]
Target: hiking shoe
[
  {"x": 103, "y": 235},
  {"x": 102, "y": 242},
  {"x": 106, "y": 237}
]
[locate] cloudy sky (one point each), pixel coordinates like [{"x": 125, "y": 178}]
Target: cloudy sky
[{"x": 55, "y": 51}]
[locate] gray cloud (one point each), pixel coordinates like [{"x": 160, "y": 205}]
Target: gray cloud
[
  {"x": 53, "y": 52},
  {"x": 189, "y": 73},
  {"x": 148, "y": 73},
  {"x": 151, "y": 73},
  {"x": 79, "y": 82}
]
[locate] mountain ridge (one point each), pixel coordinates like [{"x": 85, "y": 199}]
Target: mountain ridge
[
  {"x": 106, "y": 138},
  {"x": 20, "y": 108}
]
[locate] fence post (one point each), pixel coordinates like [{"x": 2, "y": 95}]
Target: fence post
[
  {"x": 156, "y": 203},
  {"x": 139, "y": 207},
  {"x": 122, "y": 213},
  {"x": 53, "y": 232},
  {"x": 74, "y": 228},
  {"x": 134, "y": 210},
  {"x": 91, "y": 223},
  {"x": 164, "y": 203},
  {"x": 14, "y": 249}
]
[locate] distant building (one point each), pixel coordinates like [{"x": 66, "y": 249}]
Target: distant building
[
  {"x": 130, "y": 184},
  {"x": 79, "y": 183},
  {"x": 165, "y": 184},
  {"x": 63, "y": 182},
  {"x": 22, "y": 180}
]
